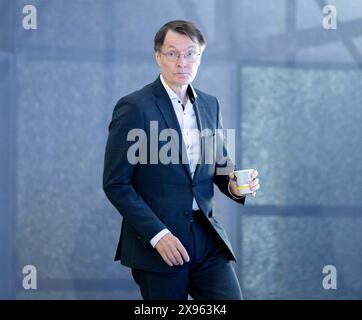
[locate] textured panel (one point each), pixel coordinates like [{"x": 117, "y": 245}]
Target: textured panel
[
  {"x": 302, "y": 130},
  {"x": 293, "y": 31},
  {"x": 253, "y": 23},
  {"x": 358, "y": 43},
  {"x": 319, "y": 45},
  {"x": 81, "y": 24},
  {"x": 346, "y": 9},
  {"x": 62, "y": 24},
  {"x": 283, "y": 257},
  {"x": 156, "y": 13},
  {"x": 66, "y": 227},
  {"x": 7, "y": 196},
  {"x": 5, "y": 25},
  {"x": 258, "y": 19}
]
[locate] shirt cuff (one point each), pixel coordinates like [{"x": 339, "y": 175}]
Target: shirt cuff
[
  {"x": 158, "y": 236},
  {"x": 234, "y": 197}
]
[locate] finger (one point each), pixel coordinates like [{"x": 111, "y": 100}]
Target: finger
[
  {"x": 232, "y": 176},
  {"x": 254, "y": 174},
  {"x": 183, "y": 252},
  {"x": 233, "y": 184},
  {"x": 234, "y": 189},
  {"x": 171, "y": 257},
  {"x": 174, "y": 255},
  {"x": 254, "y": 188},
  {"x": 177, "y": 256},
  {"x": 254, "y": 194},
  {"x": 167, "y": 260},
  {"x": 254, "y": 182}
]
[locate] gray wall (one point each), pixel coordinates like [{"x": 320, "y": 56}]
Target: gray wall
[{"x": 291, "y": 89}]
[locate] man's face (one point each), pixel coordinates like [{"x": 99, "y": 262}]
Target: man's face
[{"x": 180, "y": 72}]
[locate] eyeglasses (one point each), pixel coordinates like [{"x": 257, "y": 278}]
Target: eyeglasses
[{"x": 173, "y": 55}]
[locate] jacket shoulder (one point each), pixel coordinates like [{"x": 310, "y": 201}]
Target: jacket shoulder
[
  {"x": 138, "y": 99},
  {"x": 208, "y": 99},
  {"x": 139, "y": 96},
  {"x": 205, "y": 96}
]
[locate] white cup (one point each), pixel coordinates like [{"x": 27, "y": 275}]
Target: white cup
[{"x": 243, "y": 180}]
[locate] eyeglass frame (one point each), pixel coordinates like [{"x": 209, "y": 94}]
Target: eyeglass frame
[{"x": 178, "y": 56}]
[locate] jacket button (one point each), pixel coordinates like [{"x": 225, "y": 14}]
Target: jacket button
[{"x": 186, "y": 213}]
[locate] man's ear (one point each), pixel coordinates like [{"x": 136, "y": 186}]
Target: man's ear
[
  {"x": 200, "y": 57},
  {"x": 158, "y": 57},
  {"x": 199, "y": 60}
]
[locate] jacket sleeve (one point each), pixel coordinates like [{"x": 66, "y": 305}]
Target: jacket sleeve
[
  {"x": 118, "y": 173},
  {"x": 224, "y": 163}
]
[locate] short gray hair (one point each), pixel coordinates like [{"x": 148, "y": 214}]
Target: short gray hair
[{"x": 186, "y": 28}]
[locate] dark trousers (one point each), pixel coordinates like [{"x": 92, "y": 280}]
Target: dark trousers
[{"x": 207, "y": 276}]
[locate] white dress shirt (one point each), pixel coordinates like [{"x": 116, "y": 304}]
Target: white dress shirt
[
  {"x": 187, "y": 119},
  {"x": 190, "y": 133}
]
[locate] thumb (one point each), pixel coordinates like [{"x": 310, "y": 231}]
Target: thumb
[{"x": 232, "y": 176}]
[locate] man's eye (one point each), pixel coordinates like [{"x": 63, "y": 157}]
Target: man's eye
[
  {"x": 190, "y": 54},
  {"x": 171, "y": 54}
]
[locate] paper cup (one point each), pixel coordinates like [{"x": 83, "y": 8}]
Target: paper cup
[{"x": 243, "y": 180}]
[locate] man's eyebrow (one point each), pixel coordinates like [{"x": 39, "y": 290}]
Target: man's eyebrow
[{"x": 191, "y": 46}]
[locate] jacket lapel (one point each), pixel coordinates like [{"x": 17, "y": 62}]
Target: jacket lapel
[
  {"x": 165, "y": 106},
  {"x": 200, "y": 117}
]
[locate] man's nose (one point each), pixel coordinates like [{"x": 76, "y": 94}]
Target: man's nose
[{"x": 181, "y": 60}]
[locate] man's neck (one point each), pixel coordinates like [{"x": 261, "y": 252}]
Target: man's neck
[{"x": 179, "y": 90}]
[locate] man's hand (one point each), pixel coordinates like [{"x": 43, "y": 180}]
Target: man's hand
[
  {"x": 254, "y": 184},
  {"x": 171, "y": 250}
]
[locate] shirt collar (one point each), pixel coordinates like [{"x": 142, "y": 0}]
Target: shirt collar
[{"x": 190, "y": 91}]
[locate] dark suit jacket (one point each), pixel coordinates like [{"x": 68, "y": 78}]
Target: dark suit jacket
[{"x": 151, "y": 197}]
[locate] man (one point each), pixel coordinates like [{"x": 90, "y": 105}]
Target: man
[{"x": 170, "y": 237}]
